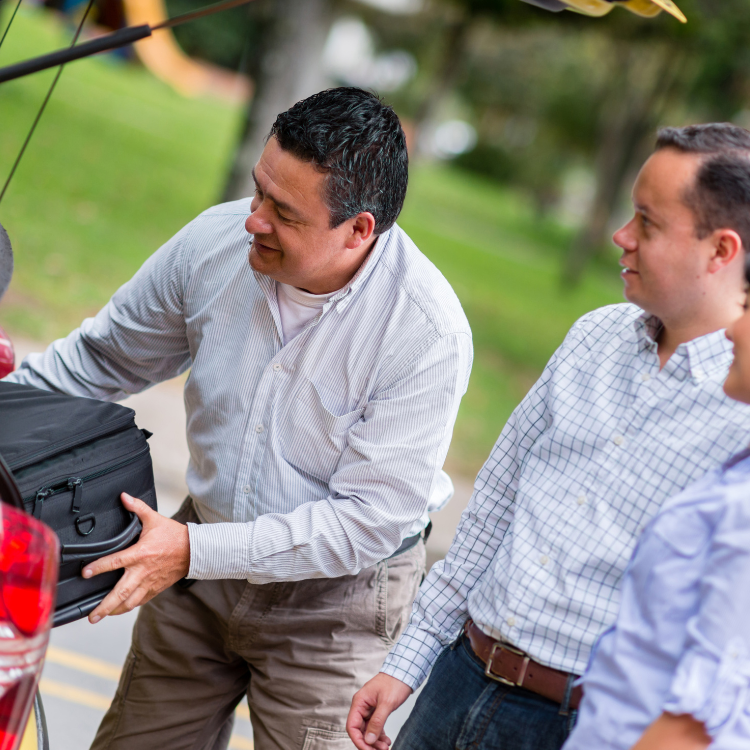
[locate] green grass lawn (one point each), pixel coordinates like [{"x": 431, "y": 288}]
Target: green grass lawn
[{"x": 120, "y": 162}]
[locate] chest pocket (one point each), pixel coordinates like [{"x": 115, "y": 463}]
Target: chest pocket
[{"x": 314, "y": 437}]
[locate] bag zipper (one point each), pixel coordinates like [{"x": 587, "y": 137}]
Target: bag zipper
[
  {"x": 76, "y": 485},
  {"x": 31, "y": 458}
]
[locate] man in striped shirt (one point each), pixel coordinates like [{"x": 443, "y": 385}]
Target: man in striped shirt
[
  {"x": 325, "y": 378},
  {"x": 629, "y": 410}
]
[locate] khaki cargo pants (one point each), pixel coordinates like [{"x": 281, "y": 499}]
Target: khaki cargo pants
[{"x": 298, "y": 650}]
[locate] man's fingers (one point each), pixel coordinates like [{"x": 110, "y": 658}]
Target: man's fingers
[
  {"x": 134, "y": 505},
  {"x": 111, "y": 562},
  {"x": 120, "y": 594},
  {"x": 140, "y": 596},
  {"x": 374, "y": 731},
  {"x": 356, "y": 722}
]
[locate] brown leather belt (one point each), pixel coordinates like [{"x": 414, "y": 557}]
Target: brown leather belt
[{"x": 510, "y": 666}]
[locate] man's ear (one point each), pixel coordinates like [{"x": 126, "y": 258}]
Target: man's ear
[
  {"x": 362, "y": 230},
  {"x": 727, "y": 246}
]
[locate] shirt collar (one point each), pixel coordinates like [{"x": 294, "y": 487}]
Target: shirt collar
[
  {"x": 343, "y": 297},
  {"x": 697, "y": 359}
]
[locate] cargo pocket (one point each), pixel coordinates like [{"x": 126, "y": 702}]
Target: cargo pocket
[{"x": 326, "y": 739}]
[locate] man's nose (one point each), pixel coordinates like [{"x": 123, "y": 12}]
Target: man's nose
[
  {"x": 624, "y": 237},
  {"x": 257, "y": 223}
]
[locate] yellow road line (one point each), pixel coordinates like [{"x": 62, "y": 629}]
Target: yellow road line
[
  {"x": 101, "y": 703},
  {"x": 74, "y": 694},
  {"x": 88, "y": 664},
  {"x": 236, "y": 742},
  {"x": 242, "y": 711}
]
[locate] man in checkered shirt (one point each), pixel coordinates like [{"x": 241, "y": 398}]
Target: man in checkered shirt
[{"x": 628, "y": 411}]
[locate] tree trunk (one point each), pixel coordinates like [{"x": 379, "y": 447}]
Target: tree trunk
[
  {"x": 290, "y": 68},
  {"x": 638, "y": 94},
  {"x": 452, "y": 53}
]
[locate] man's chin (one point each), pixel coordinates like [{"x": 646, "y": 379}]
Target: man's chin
[{"x": 260, "y": 262}]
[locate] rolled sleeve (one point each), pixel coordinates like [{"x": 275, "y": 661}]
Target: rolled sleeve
[
  {"x": 712, "y": 686},
  {"x": 712, "y": 679}
]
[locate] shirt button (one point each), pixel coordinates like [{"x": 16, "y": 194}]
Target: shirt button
[
  {"x": 246, "y": 489},
  {"x": 581, "y": 499},
  {"x": 276, "y": 367},
  {"x": 544, "y": 559},
  {"x": 618, "y": 440},
  {"x": 511, "y": 621},
  {"x": 259, "y": 428},
  {"x": 645, "y": 376}
]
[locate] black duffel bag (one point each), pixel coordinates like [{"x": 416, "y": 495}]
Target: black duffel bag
[{"x": 71, "y": 458}]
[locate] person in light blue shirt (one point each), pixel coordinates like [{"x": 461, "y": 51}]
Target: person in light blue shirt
[{"x": 673, "y": 673}]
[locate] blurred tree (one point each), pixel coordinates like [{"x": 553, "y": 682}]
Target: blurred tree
[{"x": 287, "y": 68}]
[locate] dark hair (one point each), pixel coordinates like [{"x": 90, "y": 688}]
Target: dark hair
[
  {"x": 358, "y": 141},
  {"x": 720, "y": 197}
]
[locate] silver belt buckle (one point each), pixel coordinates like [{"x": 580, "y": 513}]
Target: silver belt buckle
[{"x": 506, "y": 647}]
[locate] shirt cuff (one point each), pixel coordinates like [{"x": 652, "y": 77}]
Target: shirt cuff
[
  {"x": 712, "y": 687},
  {"x": 219, "y": 550},
  {"x": 412, "y": 657}
]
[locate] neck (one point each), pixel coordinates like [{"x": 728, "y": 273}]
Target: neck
[
  {"x": 340, "y": 279},
  {"x": 681, "y": 330}
]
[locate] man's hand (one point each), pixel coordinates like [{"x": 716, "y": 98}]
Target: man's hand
[
  {"x": 160, "y": 558},
  {"x": 671, "y": 732},
  {"x": 371, "y": 706}
]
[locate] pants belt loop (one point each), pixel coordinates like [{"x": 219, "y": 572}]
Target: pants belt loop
[{"x": 565, "y": 705}]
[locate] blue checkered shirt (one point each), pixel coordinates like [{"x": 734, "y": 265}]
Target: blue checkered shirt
[{"x": 583, "y": 464}]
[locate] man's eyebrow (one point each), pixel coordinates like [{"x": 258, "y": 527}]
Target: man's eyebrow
[
  {"x": 641, "y": 209},
  {"x": 279, "y": 204}
]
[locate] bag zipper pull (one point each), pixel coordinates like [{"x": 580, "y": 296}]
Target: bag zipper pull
[
  {"x": 76, "y": 484},
  {"x": 41, "y": 495}
]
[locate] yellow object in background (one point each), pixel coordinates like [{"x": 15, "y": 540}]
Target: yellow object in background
[
  {"x": 596, "y": 8},
  {"x": 644, "y": 8},
  {"x": 671, "y": 8}
]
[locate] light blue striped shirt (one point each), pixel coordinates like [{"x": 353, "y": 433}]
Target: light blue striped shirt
[
  {"x": 314, "y": 459},
  {"x": 681, "y": 643}
]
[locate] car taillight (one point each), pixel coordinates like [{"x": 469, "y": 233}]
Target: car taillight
[
  {"x": 29, "y": 553},
  {"x": 7, "y": 355}
]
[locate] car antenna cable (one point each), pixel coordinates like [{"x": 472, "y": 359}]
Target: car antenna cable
[
  {"x": 46, "y": 98},
  {"x": 120, "y": 38}
]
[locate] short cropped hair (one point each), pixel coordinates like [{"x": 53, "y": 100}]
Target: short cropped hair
[
  {"x": 354, "y": 138},
  {"x": 720, "y": 197}
]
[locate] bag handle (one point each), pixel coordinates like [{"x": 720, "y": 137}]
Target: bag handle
[
  {"x": 9, "y": 492},
  {"x": 73, "y": 552}
]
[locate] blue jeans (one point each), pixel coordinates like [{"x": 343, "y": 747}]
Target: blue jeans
[{"x": 462, "y": 709}]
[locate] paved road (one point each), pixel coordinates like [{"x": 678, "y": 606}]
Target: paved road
[{"x": 83, "y": 661}]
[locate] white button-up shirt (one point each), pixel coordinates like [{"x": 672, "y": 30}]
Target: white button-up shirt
[
  {"x": 314, "y": 459},
  {"x": 681, "y": 642},
  {"x": 580, "y": 468}
]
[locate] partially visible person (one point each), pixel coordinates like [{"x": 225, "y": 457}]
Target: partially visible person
[
  {"x": 628, "y": 412},
  {"x": 673, "y": 673}
]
